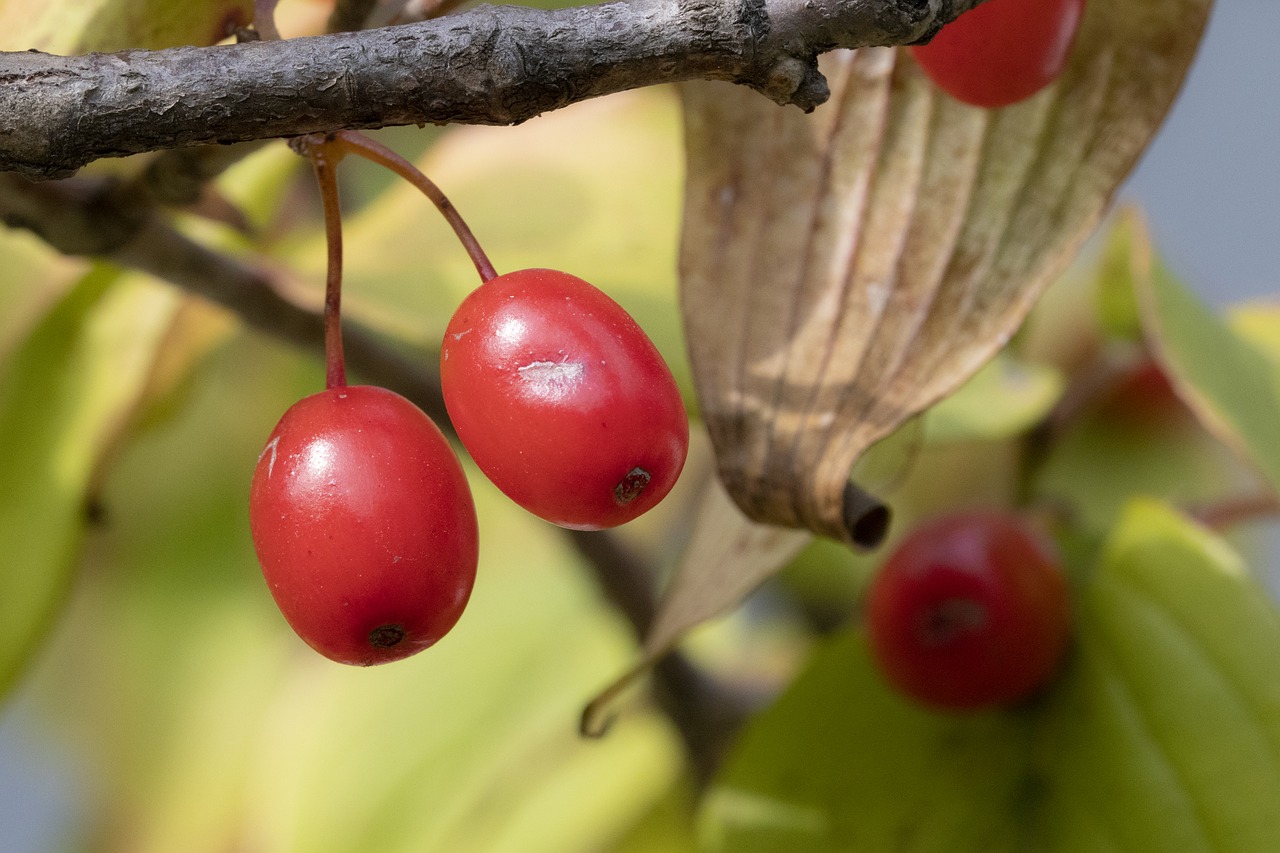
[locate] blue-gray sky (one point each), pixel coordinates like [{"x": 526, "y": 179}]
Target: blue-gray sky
[{"x": 1211, "y": 181}]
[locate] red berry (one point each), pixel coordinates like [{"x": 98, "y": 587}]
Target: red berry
[
  {"x": 562, "y": 400},
  {"x": 1002, "y": 51},
  {"x": 970, "y": 611},
  {"x": 364, "y": 525},
  {"x": 1144, "y": 397}
]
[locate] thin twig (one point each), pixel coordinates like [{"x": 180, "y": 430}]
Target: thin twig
[
  {"x": 177, "y": 178},
  {"x": 84, "y": 217},
  {"x": 707, "y": 713},
  {"x": 1241, "y": 509}
]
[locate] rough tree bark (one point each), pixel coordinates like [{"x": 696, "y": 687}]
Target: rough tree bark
[{"x": 489, "y": 65}]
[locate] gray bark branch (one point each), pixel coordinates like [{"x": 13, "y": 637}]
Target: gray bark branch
[{"x": 489, "y": 65}]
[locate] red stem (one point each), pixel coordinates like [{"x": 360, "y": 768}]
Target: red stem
[
  {"x": 264, "y": 19},
  {"x": 349, "y": 141},
  {"x": 324, "y": 160},
  {"x": 1230, "y": 512}
]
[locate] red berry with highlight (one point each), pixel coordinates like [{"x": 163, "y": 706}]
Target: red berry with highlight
[
  {"x": 363, "y": 523},
  {"x": 1002, "y": 51},
  {"x": 562, "y": 400},
  {"x": 971, "y": 611}
]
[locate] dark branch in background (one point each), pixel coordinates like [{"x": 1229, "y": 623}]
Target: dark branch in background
[
  {"x": 488, "y": 65},
  {"x": 707, "y": 713},
  {"x": 99, "y": 219},
  {"x": 178, "y": 178}
]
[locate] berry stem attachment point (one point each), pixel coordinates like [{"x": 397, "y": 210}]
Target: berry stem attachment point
[
  {"x": 1243, "y": 509},
  {"x": 264, "y": 19},
  {"x": 351, "y": 142},
  {"x": 324, "y": 155}
]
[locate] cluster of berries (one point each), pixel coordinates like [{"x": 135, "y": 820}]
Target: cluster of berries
[
  {"x": 363, "y": 519},
  {"x": 361, "y": 514}
]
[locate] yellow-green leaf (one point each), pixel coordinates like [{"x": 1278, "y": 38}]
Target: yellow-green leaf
[
  {"x": 1126, "y": 252},
  {"x": 214, "y": 727},
  {"x": 1003, "y": 399},
  {"x": 1231, "y": 384},
  {"x": 1162, "y": 732},
  {"x": 64, "y": 395},
  {"x": 1165, "y": 735},
  {"x": 843, "y": 763},
  {"x": 1259, "y": 323}
]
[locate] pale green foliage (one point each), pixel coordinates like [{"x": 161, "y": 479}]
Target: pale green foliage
[
  {"x": 1231, "y": 383},
  {"x": 65, "y": 393},
  {"x": 1003, "y": 399},
  {"x": 1162, "y": 734}
]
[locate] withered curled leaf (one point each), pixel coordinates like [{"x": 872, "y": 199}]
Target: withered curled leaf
[{"x": 843, "y": 271}]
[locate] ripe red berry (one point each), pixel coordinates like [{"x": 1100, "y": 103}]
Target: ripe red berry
[
  {"x": 1144, "y": 398},
  {"x": 970, "y": 611},
  {"x": 364, "y": 525},
  {"x": 562, "y": 400},
  {"x": 1002, "y": 51}
]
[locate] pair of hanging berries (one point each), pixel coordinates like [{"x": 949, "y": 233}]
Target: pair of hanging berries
[{"x": 360, "y": 511}]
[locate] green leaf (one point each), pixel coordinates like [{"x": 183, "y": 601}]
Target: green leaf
[
  {"x": 1003, "y": 399},
  {"x": 843, "y": 763},
  {"x": 1229, "y": 382},
  {"x": 1166, "y": 733},
  {"x": 1259, "y": 323},
  {"x": 1108, "y": 456},
  {"x": 64, "y": 395},
  {"x": 1127, "y": 248},
  {"x": 35, "y": 276},
  {"x": 1162, "y": 732}
]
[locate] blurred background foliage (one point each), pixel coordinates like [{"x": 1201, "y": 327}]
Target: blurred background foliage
[{"x": 140, "y": 648}]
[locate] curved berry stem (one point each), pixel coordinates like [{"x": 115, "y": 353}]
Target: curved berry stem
[
  {"x": 1242, "y": 509},
  {"x": 264, "y": 19},
  {"x": 324, "y": 155},
  {"x": 351, "y": 142}
]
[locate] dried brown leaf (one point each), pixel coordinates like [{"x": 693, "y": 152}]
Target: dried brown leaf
[
  {"x": 730, "y": 558},
  {"x": 845, "y": 270}
]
